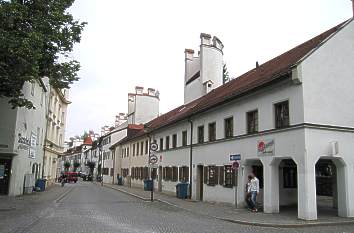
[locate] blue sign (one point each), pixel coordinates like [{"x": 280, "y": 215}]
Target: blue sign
[{"x": 235, "y": 157}]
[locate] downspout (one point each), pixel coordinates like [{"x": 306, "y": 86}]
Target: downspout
[
  {"x": 190, "y": 159},
  {"x": 45, "y": 130}
]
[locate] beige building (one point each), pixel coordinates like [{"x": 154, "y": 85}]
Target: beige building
[{"x": 55, "y": 132}]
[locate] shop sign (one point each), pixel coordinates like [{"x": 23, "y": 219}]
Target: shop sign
[
  {"x": 265, "y": 147},
  {"x": 23, "y": 142},
  {"x": 235, "y": 157}
]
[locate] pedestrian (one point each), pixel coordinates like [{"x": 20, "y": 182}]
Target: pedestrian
[
  {"x": 254, "y": 191},
  {"x": 248, "y": 193}
]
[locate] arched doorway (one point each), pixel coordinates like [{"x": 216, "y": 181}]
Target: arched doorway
[
  {"x": 288, "y": 193},
  {"x": 326, "y": 170}
]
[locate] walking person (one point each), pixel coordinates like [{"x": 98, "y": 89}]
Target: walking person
[
  {"x": 254, "y": 189},
  {"x": 248, "y": 193}
]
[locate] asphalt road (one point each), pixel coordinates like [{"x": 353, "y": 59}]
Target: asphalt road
[{"x": 86, "y": 207}]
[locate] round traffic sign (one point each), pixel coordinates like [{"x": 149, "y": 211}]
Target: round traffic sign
[
  {"x": 154, "y": 146},
  {"x": 235, "y": 165},
  {"x": 153, "y": 159}
]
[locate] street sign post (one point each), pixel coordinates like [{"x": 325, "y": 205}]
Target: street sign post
[{"x": 235, "y": 157}]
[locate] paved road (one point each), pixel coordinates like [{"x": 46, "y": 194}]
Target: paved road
[{"x": 86, "y": 207}]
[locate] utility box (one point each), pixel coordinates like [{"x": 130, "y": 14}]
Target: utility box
[
  {"x": 182, "y": 190},
  {"x": 147, "y": 185}
]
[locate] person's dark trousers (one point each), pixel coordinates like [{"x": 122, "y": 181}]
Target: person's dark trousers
[
  {"x": 253, "y": 199},
  {"x": 248, "y": 201}
]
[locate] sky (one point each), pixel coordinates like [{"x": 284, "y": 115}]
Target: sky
[{"x": 141, "y": 43}]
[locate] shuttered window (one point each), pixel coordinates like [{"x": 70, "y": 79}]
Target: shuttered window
[
  {"x": 174, "y": 174},
  {"x": 205, "y": 174},
  {"x": 211, "y": 175},
  {"x": 221, "y": 175},
  {"x": 180, "y": 173}
]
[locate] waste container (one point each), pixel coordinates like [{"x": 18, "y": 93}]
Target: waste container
[
  {"x": 40, "y": 183},
  {"x": 182, "y": 190},
  {"x": 147, "y": 185},
  {"x": 120, "y": 180}
]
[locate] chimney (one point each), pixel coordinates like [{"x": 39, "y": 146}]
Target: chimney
[
  {"x": 189, "y": 54},
  {"x": 205, "y": 39},
  {"x": 139, "y": 90},
  {"x": 257, "y": 65},
  {"x": 151, "y": 91}
]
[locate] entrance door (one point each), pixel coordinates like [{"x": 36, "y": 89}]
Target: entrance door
[
  {"x": 5, "y": 167},
  {"x": 200, "y": 184}
]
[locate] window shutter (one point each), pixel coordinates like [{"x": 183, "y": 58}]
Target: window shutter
[
  {"x": 216, "y": 175},
  {"x": 164, "y": 173},
  {"x": 205, "y": 173},
  {"x": 180, "y": 173},
  {"x": 221, "y": 175}
]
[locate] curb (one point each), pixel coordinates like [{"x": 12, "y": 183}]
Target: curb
[{"x": 259, "y": 224}]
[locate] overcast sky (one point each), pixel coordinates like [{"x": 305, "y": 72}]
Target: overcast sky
[{"x": 141, "y": 43}]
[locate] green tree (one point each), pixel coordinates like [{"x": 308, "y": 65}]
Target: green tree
[
  {"x": 36, "y": 39},
  {"x": 225, "y": 74},
  {"x": 76, "y": 165},
  {"x": 67, "y": 165}
]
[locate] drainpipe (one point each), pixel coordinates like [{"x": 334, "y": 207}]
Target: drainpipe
[{"x": 190, "y": 159}]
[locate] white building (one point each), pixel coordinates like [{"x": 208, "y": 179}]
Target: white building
[
  {"x": 143, "y": 106},
  {"x": 55, "y": 132},
  {"x": 289, "y": 121},
  {"x": 22, "y": 133}
]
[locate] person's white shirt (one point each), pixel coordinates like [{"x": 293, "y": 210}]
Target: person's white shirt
[{"x": 254, "y": 185}]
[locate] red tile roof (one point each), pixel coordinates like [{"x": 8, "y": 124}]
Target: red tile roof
[
  {"x": 275, "y": 69},
  {"x": 87, "y": 141}
]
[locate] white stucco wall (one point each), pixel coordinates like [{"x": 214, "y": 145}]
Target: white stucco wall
[{"x": 328, "y": 81}]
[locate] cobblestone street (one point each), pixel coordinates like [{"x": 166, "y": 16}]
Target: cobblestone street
[{"x": 86, "y": 207}]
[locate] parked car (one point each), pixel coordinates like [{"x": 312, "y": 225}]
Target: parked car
[{"x": 69, "y": 177}]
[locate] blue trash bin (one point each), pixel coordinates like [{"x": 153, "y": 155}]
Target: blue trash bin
[
  {"x": 182, "y": 190},
  {"x": 40, "y": 183},
  {"x": 147, "y": 185}
]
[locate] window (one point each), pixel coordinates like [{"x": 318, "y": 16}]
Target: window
[
  {"x": 137, "y": 148},
  {"x": 229, "y": 127},
  {"x": 133, "y": 149},
  {"x": 212, "y": 175},
  {"x": 252, "y": 122},
  {"x": 146, "y": 147},
  {"x": 167, "y": 173},
  {"x": 174, "y": 141},
  {"x": 184, "y": 138},
  {"x": 212, "y": 131},
  {"x": 174, "y": 177},
  {"x": 105, "y": 171},
  {"x": 161, "y": 143},
  {"x": 281, "y": 114},
  {"x": 201, "y": 134},
  {"x": 33, "y": 84},
  {"x": 141, "y": 148},
  {"x": 128, "y": 152},
  {"x": 112, "y": 172},
  {"x": 42, "y": 98},
  {"x": 38, "y": 134},
  {"x": 229, "y": 176},
  {"x": 183, "y": 174},
  {"x": 167, "y": 142}
]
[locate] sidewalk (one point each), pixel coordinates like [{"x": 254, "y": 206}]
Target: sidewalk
[{"x": 227, "y": 212}]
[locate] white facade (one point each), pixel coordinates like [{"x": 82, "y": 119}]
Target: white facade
[
  {"x": 55, "y": 133},
  {"x": 22, "y": 133},
  {"x": 143, "y": 106},
  {"x": 205, "y": 72},
  {"x": 291, "y": 160}
]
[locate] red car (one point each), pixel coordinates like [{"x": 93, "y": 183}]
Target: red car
[{"x": 69, "y": 176}]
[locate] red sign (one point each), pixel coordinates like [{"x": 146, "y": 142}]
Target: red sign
[
  {"x": 235, "y": 165},
  {"x": 261, "y": 146}
]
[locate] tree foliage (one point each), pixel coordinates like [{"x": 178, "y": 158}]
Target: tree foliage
[
  {"x": 225, "y": 74},
  {"x": 36, "y": 39},
  {"x": 67, "y": 165}
]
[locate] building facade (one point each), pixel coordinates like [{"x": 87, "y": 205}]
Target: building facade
[
  {"x": 55, "y": 133},
  {"x": 22, "y": 133},
  {"x": 289, "y": 121}
]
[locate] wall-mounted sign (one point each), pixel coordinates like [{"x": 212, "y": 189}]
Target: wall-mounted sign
[
  {"x": 23, "y": 142},
  {"x": 235, "y": 157},
  {"x": 32, "y": 149},
  {"x": 265, "y": 147}
]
